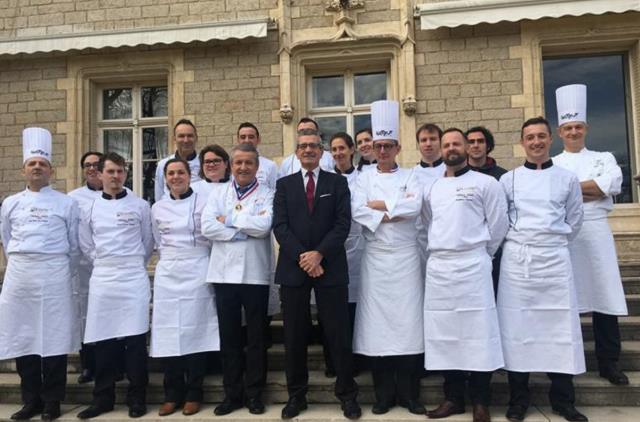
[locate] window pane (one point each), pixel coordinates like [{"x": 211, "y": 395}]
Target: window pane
[
  {"x": 148, "y": 180},
  {"x": 370, "y": 87},
  {"x": 154, "y": 101},
  {"x": 329, "y": 126},
  {"x": 129, "y": 181},
  {"x": 154, "y": 143},
  {"x": 328, "y": 91},
  {"x": 606, "y": 106},
  {"x": 361, "y": 121},
  {"x": 116, "y": 103},
  {"x": 119, "y": 141}
]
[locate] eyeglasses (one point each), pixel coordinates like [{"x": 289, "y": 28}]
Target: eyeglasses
[
  {"x": 214, "y": 161},
  {"x": 313, "y": 145},
  {"x": 378, "y": 146},
  {"x": 89, "y": 165}
]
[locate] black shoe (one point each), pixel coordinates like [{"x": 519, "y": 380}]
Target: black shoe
[
  {"x": 515, "y": 413},
  {"x": 93, "y": 411},
  {"x": 351, "y": 409},
  {"x": 570, "y": 413},
  {"x": 137, "y": 410},
  {"x": 415, "y": 407},
  {"x": 85, "y": 377},
  {"x": 227, "y": 406},
  {"x": 614, "y": 375},
  {"x": 51, "y": 411},
  {"x": 28, "y": 411},
  {"x": 293, "y": 407},
  {"x": 380, "y": 408},
  {"x": 255, "y": 406}
]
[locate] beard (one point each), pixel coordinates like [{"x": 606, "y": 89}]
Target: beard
[{"x": 455, "y": 159}]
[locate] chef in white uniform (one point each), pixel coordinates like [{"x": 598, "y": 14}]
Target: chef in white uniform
[
  {"x": 84, "y": 196},
  {"x": 364, "y": 145},
  {"x": 185, "y": 321},
  {"x": 185, "y": 137},
  {"x": 537, "y": 306},
  {"x": 593, "y": 252},
  {"x": 38, "y": 318},
  {"x": 214, "y": 169},
  {"x": 291, "y": 163},
  {"x": 388, "y": 324},
  {"x": 115, "y": 234},
  {"x": 237, "y": 218},
  {"x": 467, "y": 218}
]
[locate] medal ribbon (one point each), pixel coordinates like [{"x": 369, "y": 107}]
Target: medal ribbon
[{"x": 243, "y": 192}]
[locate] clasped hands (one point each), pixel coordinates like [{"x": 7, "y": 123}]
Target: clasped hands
[{"x": 310, "y": 263}]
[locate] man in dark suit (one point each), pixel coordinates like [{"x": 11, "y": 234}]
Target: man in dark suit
[{"x": 312, "y": 217}]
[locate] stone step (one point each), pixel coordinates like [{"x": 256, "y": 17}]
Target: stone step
[
  {"x": 591, "y": 390},
  {"x": 633, "y": 303},
  {"x": 631, "y": 285},
  {"x": 629, "y": 328},
  {"x": 331, "y": 413},
  {"x": 629, "y": 268}
]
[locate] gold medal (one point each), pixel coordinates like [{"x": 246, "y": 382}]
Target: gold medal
[{"x": 238, "y": 207}]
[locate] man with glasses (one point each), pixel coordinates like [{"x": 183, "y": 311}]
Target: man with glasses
[
  {"x": 312, "y": 218},
  {"x": 291, "y": 164},
  {"x": 388, "y": 324}
]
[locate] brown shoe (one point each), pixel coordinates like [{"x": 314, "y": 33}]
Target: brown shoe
[
  {"x": 167, "y": 408},
  {"x": 191, "y": 408},
  {"x": 481, "y": 413},
  {"x": 446, "y": 409}
]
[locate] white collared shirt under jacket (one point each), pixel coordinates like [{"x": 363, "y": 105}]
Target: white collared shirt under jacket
[
  {"x": 537, "y": 307},
  {"x": 38, "y": 314},
  {"x": 390, "y": 302},
  {"x": 467, "y": 221},
  {"x": 593, "y": 250}
]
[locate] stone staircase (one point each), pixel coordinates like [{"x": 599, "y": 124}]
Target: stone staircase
[{"x": 595, "y": 396}]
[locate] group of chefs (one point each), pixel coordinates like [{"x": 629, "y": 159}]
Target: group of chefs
[{"x": 455, "y": 265}]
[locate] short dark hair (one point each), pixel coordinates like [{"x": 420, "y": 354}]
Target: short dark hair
[
  {"x": 88, "y": 153},
  {"x": 366, "y": 129},
  {"x": 535, "y": 121},
  {"x": 308, "y": 132},
  {"x": 176, "y": 160},
  {"x": 347, "y": 139},
  {"x": 308, "y": 120},
  {"x": 452, "y": 130},
  {"x": 245, "y": 148},
  {"x": 114, "y": 157},
  {"x": 217, "y": 150},
  {"x": 248, "y": 124},
  {"x": 429, "y": 127},
  {"x": 185, "y": 122},
  {"x": 488, "y": 136}
]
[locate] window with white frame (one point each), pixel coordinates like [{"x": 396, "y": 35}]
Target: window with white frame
[
  {"x": 133, "y": 122},
  {"x": 341, "y": 101}
]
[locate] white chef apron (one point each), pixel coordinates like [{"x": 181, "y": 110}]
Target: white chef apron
[
  {"x": 81, "y": 290},
  {"x": 537, "y": 310},
  {"x": 389, "y": 312},
  {"x": 184, "y": 319},
  {"x": 461, "y": 328},
  {"x": 37, "y": 309},
  {"x": 119, "y": 296},
  {"x": 595, "y": 269}
]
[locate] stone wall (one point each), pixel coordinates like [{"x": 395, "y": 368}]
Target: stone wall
[{"x": 313, "y": 14}]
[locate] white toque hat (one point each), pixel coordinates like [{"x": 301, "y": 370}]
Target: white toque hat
[
  {"x": 384, "y": 120},
  {"x": 571, "y": 102},
  {"x": 36, "y": 142}
]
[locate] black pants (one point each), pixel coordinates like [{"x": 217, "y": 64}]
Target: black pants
[
  {"x": 42, "y": 379},
  {"x": 183, "y": 376},
  {"x": 606, "y": 333},
  {"x": 396, "y": 379},
  {"x": 561, "y": 393},
  {"x": 333, "y": 313},
  {"x": 230, "y": 300},
  {"x": 455, "y": 385},
  {"x": 495, "y": 270},
  {"x": 88, "y": 357},
  {"x": 358, "y": 360},
  {"x": 107, "y": 367}
]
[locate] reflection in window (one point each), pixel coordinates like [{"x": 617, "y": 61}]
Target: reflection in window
[
  {"x": 370, "y": 87},
  {"x": 154, "y": 101},
  {"x": 329, "y": 126},
  {"x": 606, "y": 107},
  {"x": 116, "y": 103},
  {"x": 119, "y": 141},
  {"x": 361, "y": 121},
  {"x": 328, "y": 91}
]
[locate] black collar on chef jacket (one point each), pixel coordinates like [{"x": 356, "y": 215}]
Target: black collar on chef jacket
[
  {"x": 462, "y": 171},
  {"x": 190, "y": 157},
  {"x": 434, "y": 164},
  {"x": 120, "y": 195},
  {"x": 183, "y": 195},
  {"x": 351, "y": 170},
  {"x": 533, "y": 166}
]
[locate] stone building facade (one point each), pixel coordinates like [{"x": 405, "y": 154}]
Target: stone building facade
[{"x": 105, "y": 74}]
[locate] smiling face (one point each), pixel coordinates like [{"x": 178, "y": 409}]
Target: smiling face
[
  {"x": 309, "y": 151},
  {"x": 90, "y": 171},
  {"x": 37, "y": 172},
  {"x": 177, "y": 177},
  {"x": 364, "y": 142},
  {"x": 248, "y": 135},
  {"x": 341, "y": 153},
  {"x": 536, "y": 141},
  {"x": 573, "y": 135},
  {"x": 113, "y": 177},
  {"x": 185, "y": 138},
  {"x": 244, "y": 166},
  {"x": 214, "y": 167},
  {"x": 454, "y": 149},
  {"x": 429, "y": 145}
]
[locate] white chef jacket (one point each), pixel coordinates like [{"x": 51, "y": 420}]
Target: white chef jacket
[
  {"x": 241, "y": 247},
  {"x": 37, "y": 310},
  {"x": 160, "y": 187},
  {"x": 389, "y": 313},
  {"x": 537, "y": 306},
  {"x": 291, "y": 164},
  {"x": 426, "y": 176},
  {"x": 593, "y": 252},
  {"x": 467, "y": 220}
]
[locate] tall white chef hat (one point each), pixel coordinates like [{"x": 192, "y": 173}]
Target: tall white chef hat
[
  {"x": 571, "y": 101},
  {"x": 36, "y": 142},
  {"x": 384, "y": 120}
]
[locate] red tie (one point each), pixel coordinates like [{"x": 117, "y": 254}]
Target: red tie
[{"x": 311, "y": 187}]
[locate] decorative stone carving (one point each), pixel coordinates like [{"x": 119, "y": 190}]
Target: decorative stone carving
[
  {"x": 409, "y": 105},
  {"x": 340, "y": 5},
  {"x": 286, "y": 114}
]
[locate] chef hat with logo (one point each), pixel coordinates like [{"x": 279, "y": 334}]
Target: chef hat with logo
[
  {"x": 571, "y": 101},
  {"x": 36, "y": 142},
  {"x": 384, "y": 120}
]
